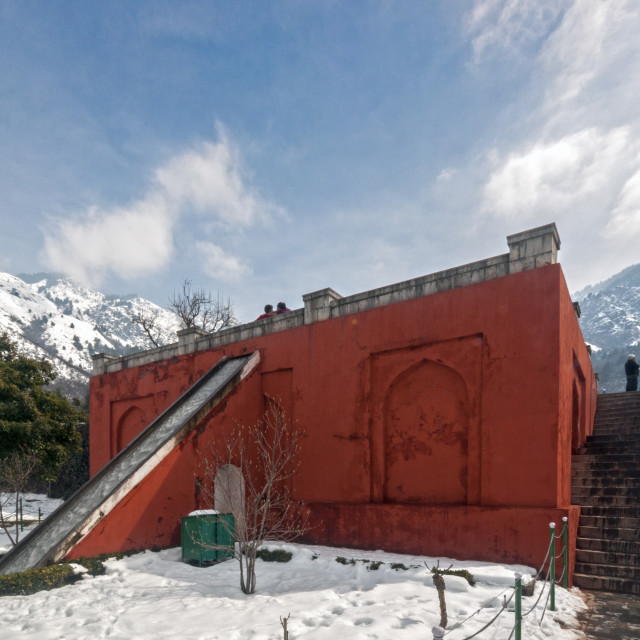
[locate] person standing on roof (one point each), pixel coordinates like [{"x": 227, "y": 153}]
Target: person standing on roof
[
  {"x": 268, "y": 312},
  {"x": 631, "y": 368},
  {"x": 282, "y": 308}
]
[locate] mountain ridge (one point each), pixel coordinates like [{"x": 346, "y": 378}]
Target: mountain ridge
[{"x": 50, "y": 316}]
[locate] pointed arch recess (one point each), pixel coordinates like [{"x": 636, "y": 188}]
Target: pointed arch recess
[{"x": 426, "y": 433}]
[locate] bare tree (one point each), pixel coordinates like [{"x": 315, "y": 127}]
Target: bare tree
[
  {"x": 250, "y": 478},
  {"x": 15, "y": 472},
  {"x": 147, "y": 320},
  {"x": 194, "y": 308},
  {"x": 198, "y": 308}
]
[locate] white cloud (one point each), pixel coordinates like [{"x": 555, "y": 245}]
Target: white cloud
[
  {"x": 138, "y": 239},
  {"x": 445, "y": 175},
  {"x": 625, "y": 219},
  {"x": 550, "y": 178},
  {"x": 220, "y": 265},
  {"x": 512, "y": 25},
  {"x": 209, "y": 179},
  {"x": 127, "y": 242},
  {"x": 595, "y": 43}
]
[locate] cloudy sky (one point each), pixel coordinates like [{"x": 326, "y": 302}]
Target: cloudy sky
[{"x": 270, "y": 149}]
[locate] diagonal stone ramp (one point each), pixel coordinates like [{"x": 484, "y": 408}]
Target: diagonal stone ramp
[{"x": 68, "y": 524}]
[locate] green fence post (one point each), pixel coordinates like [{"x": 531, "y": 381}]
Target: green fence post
[
  {"x": 39, "y": 515},
  {"x": 518, "y": 626},
  {"x": 565, "y": 553},
  {"x": 552, "y": 567},
  {"x": 21, "y": 518}
]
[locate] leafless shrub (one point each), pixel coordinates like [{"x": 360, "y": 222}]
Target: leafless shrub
[
  {"x": 250, "y": 478},
  {"x": 148, "y": 322},
  {"x": 199, "y": 308},
  {"x": 15, "y": 472}
]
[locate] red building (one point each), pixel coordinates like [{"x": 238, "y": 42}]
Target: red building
[{"x": 440, "y": 413}]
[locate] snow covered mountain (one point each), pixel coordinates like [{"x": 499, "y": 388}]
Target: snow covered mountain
[
  {"x": 610, "y": 322},
  {"x": 50, "y": 316}
]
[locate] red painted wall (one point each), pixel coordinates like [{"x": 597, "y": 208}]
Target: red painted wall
[{"x": 451, "y": 412}]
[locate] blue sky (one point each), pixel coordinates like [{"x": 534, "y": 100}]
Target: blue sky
[{"x": 268, "y": 149}]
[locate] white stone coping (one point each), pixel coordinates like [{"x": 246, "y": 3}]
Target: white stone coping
[{"x": 527, "y": 250}]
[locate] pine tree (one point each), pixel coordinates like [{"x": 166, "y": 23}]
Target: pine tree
[{"x": 34, "y": 421}]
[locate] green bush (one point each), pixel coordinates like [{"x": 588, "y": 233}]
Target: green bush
[
  {"x": 58, "y": 575},
  {"x": 279, "y": 555},
  {"x": 34, "y": 580},
  {"x": 95, "y": 566}
]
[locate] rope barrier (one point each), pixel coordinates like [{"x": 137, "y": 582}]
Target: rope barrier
[
  {"x": 544, "y": 586},
  {"x": 486, "y": 626},
  {"x": 544, "y": 562},
  {"x": 560, "y": 579},
  {"x": 544, "y": 610},
  {"x": 548, "y": 579},
  {"x": 475, "y": 613}
]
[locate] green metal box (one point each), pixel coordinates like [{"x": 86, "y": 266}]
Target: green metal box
[{"x": 207, "y": 537}]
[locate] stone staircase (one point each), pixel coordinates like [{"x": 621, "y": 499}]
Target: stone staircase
[{"x": 606, "y": 482}]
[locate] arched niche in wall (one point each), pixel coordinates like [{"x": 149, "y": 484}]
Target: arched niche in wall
[
  {"x": 426, "y": 434},
  {"x": 132, "y": 422}
]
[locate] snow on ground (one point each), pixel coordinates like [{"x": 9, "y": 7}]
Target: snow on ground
[
  {"x": 31, "y": 502},
  {"x": 154, "y": 595}
]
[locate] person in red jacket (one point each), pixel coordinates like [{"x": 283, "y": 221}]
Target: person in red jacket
[
  {"x": 268, "y": 312},
  {"x": 282, "y": 308}
]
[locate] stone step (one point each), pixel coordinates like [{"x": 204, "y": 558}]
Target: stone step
[
  {"x": 605, "y": 501},
  {"x": 630, "y": 490},
  {"x": 604, "y": 398},
  {"x": 581, "y": 464},
  {"x": 626, "y": 420},
  {"x": 627, "y": 491},
  {"x": 603, "y": 523},
  {"x": 617, "y": 431},
  {"x": 605, "y": 479},
  {"x": 590, "y": 556},
  {"x": 607, "y": 457},
  {"x": 608, "y": 570},
  {"x": 598, "y": 474},
  {"x": 607, "y": 438},
  {"x": 619, "y": 424},
  {"x": 629, "y": 418},
  {"x": 609, "y": 546},
  {"x": 613, "y": 533},
  {"x": 601, "y": 464},
  {"x": 610, "y": 512},
  {"x": 598, "y": 583},
  {"x": 606, "y": 407},
  {"x": 599, "y": 482},
  {"x": 610, "y": 448}
]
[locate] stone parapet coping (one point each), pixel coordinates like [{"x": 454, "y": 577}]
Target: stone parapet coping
[{"x": 527, "y": 250}]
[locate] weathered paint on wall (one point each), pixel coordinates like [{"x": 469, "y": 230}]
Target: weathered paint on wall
[{"x": 441, "y": 424}]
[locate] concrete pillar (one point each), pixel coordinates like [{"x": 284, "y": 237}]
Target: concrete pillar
[
  {"x": 100, "y": 362},
  {"x": 187, "y": 339},
  {"x": 317, "y": 305},
  {"x": 533, "y": 248}
]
